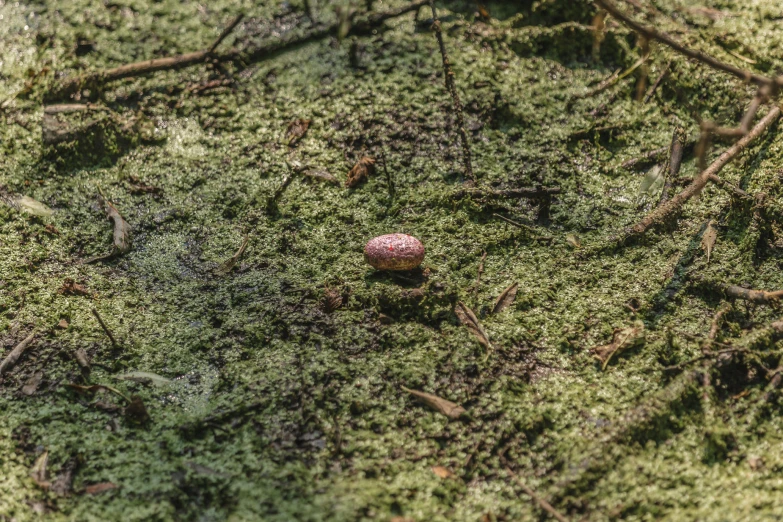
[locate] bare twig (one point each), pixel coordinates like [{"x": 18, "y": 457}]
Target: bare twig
[
  {"x": 114, "y": 343},
  {"x": 227, "y": 31},
  {"x": 543, "y": 504},
  {"x": 14, "y": 355},
  {"x": 452, "y": 88},
  {"x": 657, "y": 82},
  {"x": 676, "y": 150},
  {"x": 664, "y": 38},
  {"x": 745, "y": 294},
  {"x": 663, "y": 212},
  {"x": 73, "y": 84}
]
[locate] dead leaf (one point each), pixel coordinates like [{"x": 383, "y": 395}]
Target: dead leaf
[
  {"x": 71, "y": 287},
  {"x": 332, "y": 300},
  {"x": 468, "y": 319},
  {"x": 296, "y": 131},
  {"x": 62, "y": 324},
  {"x": 451, "y": 410},
  {"x": 231, "y": 262},
  {"x": 321, "y": 175},
  {"x": 573, "y": 241},
  {"x": 32, "y": 384},
  {"x": 708, "y": 239},
  {"x": 39, "y": 472},
  {"x": 360, "y": 172},
  {"x": 442, "y": 472},
  {"x": 94, "y": 489},
  {"x": 505, "y": 299},
  {"x": 135, "y": 411},
  {"x": 82, "y": 359},
  {"x": 622, "y": 339},
  {"x": 121, "y": 243},
  {"x": 31, "y": 206}
]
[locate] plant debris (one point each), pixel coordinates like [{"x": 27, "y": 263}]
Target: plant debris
[
  {"x": 622, "y": 339},
  {"x": 121, "y": 237},
  {"x": 321, "y": 175},
  {"x": 32, "y": 384},
  {"x": 468, "y": 319},
  {"x": 40, "y": 472},
  {"x": 228, "y": 265},
  {"x": 360, "y": 172},
  {"x": 94, "y": 489},
  {"x": 136, "y": 412},
  {"x": 71, "y": 287},
  {"x": 14, "y": 355},
  {"x": 296, "y": 131},
  {"x": 31, "y": 206},
  {"x": 505, "y": 299},
  {"x": 450, "y": 409},
  {"x": 442, "y": 472},
  {"x": 708, "y": 238}
]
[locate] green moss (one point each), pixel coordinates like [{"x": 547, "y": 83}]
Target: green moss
[{"x": 279, "y": 410}]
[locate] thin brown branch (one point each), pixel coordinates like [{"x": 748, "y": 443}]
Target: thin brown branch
[
  {"x": 664, "y": 38},
  {"x": 452, "y": 88},
  {"x": 657, "y": 83},
  {"x": 672, "y": 206},
  {"x": 543, "y": 504},
  {"x": 14, "y": 355},
  {"x": 717, "y": 320},
  {"x": 748, "y": 294},
  {"x": 730, "y": 187},
  {"x": 676, "y": 150},
  {"x": 105, "y": 328},
  {"x": 227, "y": 31},
  {"x": 73, "y": 84}
]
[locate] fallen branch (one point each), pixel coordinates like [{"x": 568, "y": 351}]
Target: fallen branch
[
  {"x": 452, "y": 88},
  {"x": 73, "y": 84},
  {"x": 745, "y": 294},
  {"x": 666, "y": 210},
  {"x": 106, "y": 330},
  {"x": 650, "y": 33},
  {"x": 14, "y": 355}
]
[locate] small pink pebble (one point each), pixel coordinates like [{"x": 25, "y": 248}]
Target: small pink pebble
[{"x": 394, "y": 252}]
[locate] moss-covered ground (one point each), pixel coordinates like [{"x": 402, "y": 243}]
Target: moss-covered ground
[{"x": 275, "y": 402}]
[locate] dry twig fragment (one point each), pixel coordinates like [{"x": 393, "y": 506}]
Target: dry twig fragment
[
  {"x": 622, "y": 339},
  {"x": 227, "y": 265},
  {"x": 14, "y": 355},
  {"x": 708, "y": 238},
  {"x": 450, "y": 409}
]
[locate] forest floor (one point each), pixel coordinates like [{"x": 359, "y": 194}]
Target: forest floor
[{"x": 623, "y": 380}]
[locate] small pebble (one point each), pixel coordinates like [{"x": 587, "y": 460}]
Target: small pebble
[{"x": 394, "y": 252}]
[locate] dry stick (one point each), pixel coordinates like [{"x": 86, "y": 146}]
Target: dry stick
[
  {"x": 673, "y": 205},
  {"x": 15, "y": 354},
  {"x": 114, "y": 343},
  {"x": 657, "y": 82},
  {"x": 227, "y": 31},
  {"x": 73, "y": 84},
  {"x": 675, "y": 161},
  {"x": 748, "y": 294},
  {"x": 664, "y": 38},
  {"x": 449, "y": 74},
  {"x": 543, "y": 504}
]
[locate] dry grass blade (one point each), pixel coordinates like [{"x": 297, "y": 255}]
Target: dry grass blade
[
  {"x": 14, "y": 355},
  {"x": 468, "y": 319},
  {"x": 506, "y": 298},
  {"x": 40, "y": 472},
  {"x": 450, "y": 409}
]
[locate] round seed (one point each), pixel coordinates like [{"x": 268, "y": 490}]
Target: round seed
[{"x": 394, "y": 252}]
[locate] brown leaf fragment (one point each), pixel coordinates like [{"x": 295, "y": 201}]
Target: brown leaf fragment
[
  {"x": 14, "y": 355},
  {"x": 121, "y": 243},
  {"x": 32, "y": 384},
  {"x": 136, "y": 412},
  {"x": 94, "y": 489},
  {"x": 451, "y": 410},
  {"x": 708, "y": 239},
  {"x": 63, "y": 324},
  {"x": 442, "y": 472},
  {"x": 231, "y": 262},
  {"x": 332, "y": 300},
  {"x": 321, "y": 175},
  {"x": 468, "y": 319},
  {"x": 506, "y": 298},
  {"x": 296, "y": 131},
  {"x": 360, "y": 172},
  {"x": 63, "y": 484},
  {"x": 39, "y": 472},
  {"x": 82, "y": 359},
  {"x": 622, "y": 339},
  {"x": 71, "y": 287}
]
